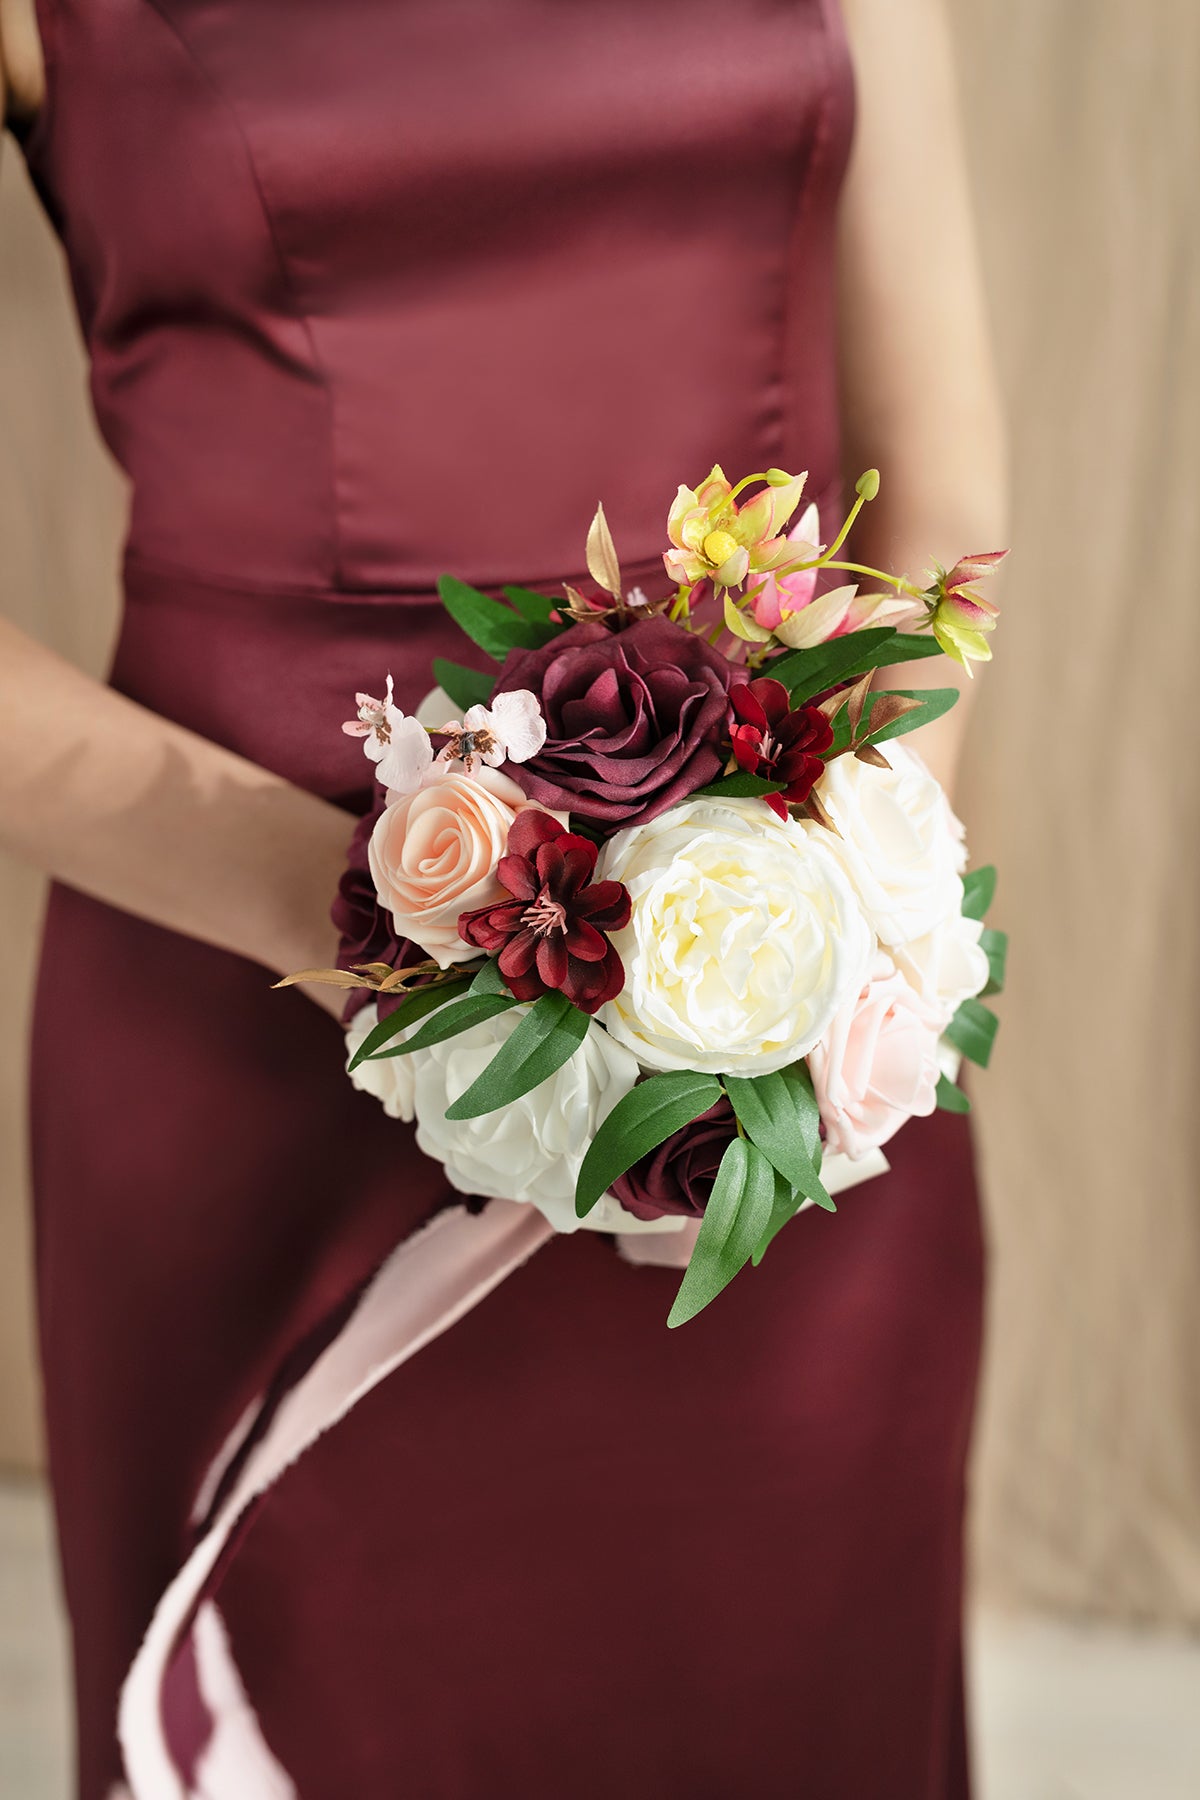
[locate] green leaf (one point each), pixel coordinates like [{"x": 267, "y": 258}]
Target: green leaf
[
  {"x": 535, "y": 607},
  {"x": 973, "y": 1031},
  {"x": 909, "y": 646},
  {"x": 735, "y": 1218},
  {"x": 808, "y": 672},
  {"x": 450, "y": 1021},
  {"x": 642, "y": 1120},
  {"x": 933, "y": 702},
  {"x": 951, "y": 1098},
  {"x": 877, "y": 648},
  {"x": 995, "y": 948},
  {"x": 547, "y": 1037},
  {"x": 466, "y": 687},
  {"x": 780, "y": 1115},
  {"x": 784, "y": 1207},
  {"x": 489, "y": 980},
  {"x": 414, "y": 1006},
  {"x": 496, "y": 628},
  {"x": 979, "y": 890},
  {"x": 741, "y": 785}
]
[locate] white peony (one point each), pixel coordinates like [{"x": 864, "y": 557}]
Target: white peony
[
  {"x": 900, "y": 844},
  {"x": 745, "y": 938},
  {"x": 946, "y": 966},
  {"x": 532, "y": 1148},
  {"x": 391, "y": 1079}
]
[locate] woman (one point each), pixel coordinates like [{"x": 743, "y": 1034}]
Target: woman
[{"x": 370, "y": 293}]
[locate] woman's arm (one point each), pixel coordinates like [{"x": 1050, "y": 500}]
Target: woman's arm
[
  {"x": 919, "y": 391},
  {"x": 113, "y": 799},
  {"x": 22, "y": 71}
]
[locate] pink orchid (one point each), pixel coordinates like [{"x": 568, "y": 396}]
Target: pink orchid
[
  {"x": 713, "y": 538},
  {"x": 397, "y": 744},
  {"x": 779, "y": 595},
  {"x": 512, "y": 729}
]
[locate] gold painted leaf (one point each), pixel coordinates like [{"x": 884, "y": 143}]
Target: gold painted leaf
[{"x": 602, "y": 563}]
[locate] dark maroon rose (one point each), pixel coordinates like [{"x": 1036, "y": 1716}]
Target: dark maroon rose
[
  {"x": 634, "y": 718},
  {"x": 365, "y": 930},
  {"x": 678, "y": 1177},
  {"x": 771, "y": 740},
  {"x": 551, "y": 935}
]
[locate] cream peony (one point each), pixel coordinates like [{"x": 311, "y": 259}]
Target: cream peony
[
  {"x": 390, "y": 1079},
  {"x": 433, "y": 856},
  {"x": 745, "y": 938},
  {"x": 946, "y": 966},
  {"x": 877, "y": 1066},
  {"x": 532, "y": 1148},
  {"x": 899, "y": 842}
]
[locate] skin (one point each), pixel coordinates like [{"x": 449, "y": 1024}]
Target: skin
[
  {"x": 920, "y": 398},
  {"x": 94, "y": 789}
]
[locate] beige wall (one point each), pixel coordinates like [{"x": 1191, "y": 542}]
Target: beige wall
[
  {"x": 1084, "y": 782},
  {"x": 1085, "y": 785},
  {"x": 60, "y": 523}
]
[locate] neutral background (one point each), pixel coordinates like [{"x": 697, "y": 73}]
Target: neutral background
[{"x": 1083, "y": 782}]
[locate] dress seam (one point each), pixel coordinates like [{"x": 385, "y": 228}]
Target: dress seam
[{"x": 301, "y": 313}]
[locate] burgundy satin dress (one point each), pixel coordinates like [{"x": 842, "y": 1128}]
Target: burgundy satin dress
[{"x": 372, "y": 292}]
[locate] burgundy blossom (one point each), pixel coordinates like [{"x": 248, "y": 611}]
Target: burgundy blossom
[
  {"x": 678, "y": 1177},
  {"x": 550, "y": 937},
  {"x": 634, "y": 718},
  {"x": 364, "y": 927},
  {"x": 771, "y": 740}
]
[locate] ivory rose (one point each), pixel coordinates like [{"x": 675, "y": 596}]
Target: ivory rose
[
  {"x": 388, "y": 1078},
  {"x": 532, "y": 1148},
  {"x": 946, "y": 966},
  {"x": 897, "y": 840},
  {"x": 745, "y": 938},
  {"x": 877, "y": 1065},
  {"x": 433, "y": 856}
]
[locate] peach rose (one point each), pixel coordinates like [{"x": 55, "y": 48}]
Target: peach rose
[
  {"x": 877, "y": 1065},
  {"x": 433, "y": 856}
]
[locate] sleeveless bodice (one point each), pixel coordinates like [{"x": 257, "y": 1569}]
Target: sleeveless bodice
[{"x": 376, "y": 290}]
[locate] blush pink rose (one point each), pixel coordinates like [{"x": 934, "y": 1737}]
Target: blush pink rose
[
  {"x": 433, "y": 856},
  {"x": 877, "y": 1065}
]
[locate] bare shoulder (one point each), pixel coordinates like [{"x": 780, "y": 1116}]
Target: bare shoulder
[{"x": 22, "y": 69}]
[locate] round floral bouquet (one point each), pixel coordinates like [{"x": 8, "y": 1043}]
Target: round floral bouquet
[{"x": 664, "y": 923}]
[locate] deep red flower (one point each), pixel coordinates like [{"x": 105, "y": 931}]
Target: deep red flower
[
  {"x": 550, "y": 937},
  {"x": 678, "y": 1177},
  {"x": 771, "y": 740}
]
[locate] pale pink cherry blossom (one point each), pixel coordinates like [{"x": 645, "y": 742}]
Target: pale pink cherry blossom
[
  {"x": 511, "y": 729},
  {"x": 397, "y": 744}
]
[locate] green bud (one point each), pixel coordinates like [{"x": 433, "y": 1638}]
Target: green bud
[
  {"x": 867, "y": 486},
  {"x": 778, "y": 478}
]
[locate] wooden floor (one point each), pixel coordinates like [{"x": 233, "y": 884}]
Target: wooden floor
[{"x": 1061, "y": 1712}]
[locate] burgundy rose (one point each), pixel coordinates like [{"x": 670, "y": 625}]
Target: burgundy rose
[
  {"x": 678, "y": 1177},
  {"x": 771, "y": 740},
  {"x": 364, "y": 927},
  {"x": 634, "y": 718},
  {"x": 551, "y": 935}
]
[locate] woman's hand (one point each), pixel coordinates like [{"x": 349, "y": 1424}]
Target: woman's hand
[{"x": 920, "y": 399}]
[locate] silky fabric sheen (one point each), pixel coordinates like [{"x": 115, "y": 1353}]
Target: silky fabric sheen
[{"x": 369, "y": 293}]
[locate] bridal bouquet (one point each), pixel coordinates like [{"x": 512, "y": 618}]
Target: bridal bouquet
[{"x": 661, "y": 921}]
